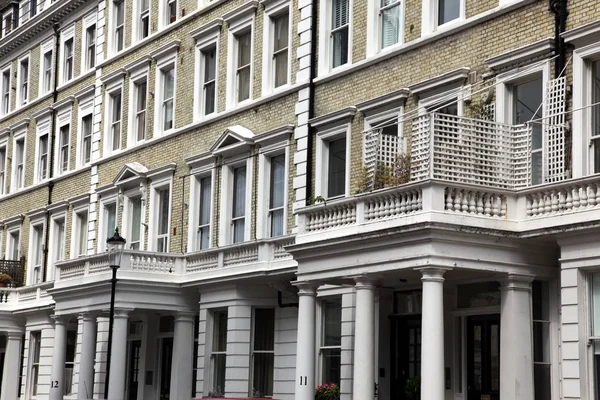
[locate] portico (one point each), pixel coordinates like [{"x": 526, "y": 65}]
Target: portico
[{"x": 442, "y": 317}]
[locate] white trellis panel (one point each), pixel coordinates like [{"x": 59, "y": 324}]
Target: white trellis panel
[
  {"x": 420, "y": 147},
  {"x": 554, "y": 131},
  {"x": 381, "y": 150}
]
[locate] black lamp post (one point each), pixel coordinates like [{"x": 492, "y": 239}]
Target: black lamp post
[{"x": 115, "y": 246}]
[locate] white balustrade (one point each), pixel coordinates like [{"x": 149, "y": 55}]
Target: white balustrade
[
  {"x": 469, "y": 201},
  {"x": 562, "y": 198}
]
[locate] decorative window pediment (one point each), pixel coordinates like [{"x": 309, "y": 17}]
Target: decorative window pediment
[
  {"x": 235, "y": 140},
  {"x": 130, "y": 175}
]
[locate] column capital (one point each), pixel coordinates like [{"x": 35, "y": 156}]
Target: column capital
[
  {"x": 433, "y": 273},
  {"x": 59, "y": 319},
  {"x": 512, "y": 281},
  {"x": 87, "y": 316},
  {"x": 122, "y": 313},
  {"x": 14, "y": 335},
  {"x": 365, "y": 282},
  {"x": 306, "y": 288},
  {"x": 184, "y": 316}
]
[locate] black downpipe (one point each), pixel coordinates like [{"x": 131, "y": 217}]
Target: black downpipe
[
  {"x": 559, "y": 8},
  {"x": 311, "y": 101},
  {"x": 281, "y": 304},
  {"x": 50, "y": 150}
]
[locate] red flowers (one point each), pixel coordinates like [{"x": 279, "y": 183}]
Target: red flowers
[{"x": 327, "y": 391}]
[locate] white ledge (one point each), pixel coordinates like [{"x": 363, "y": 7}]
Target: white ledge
[
  {"x": 113, "y": 77},
  {"x": 170, "y": 47},
  {"x": 85, "y": 92},
  {"x": 138, "y": 64},
  {"x": 207, "y": 29},
  {"x": 336, "y": 117},
  {"x": 390, "y": 100},
  {"x": 200, "y": 162},
  {"x": 161, "y": 170},
  {"x": 516, "y": 56},
  {"x": 447, "y": 78},
  {"x": 66, "y": 102},
  {"x": 36, "y": 214},
  {"x": 583, "y": 35},
  {"x": 241, "y": 12},
  {"x": 277, "y": 135},
  {"x": 44, "y": 112},
  {"x": 17, "y": 219},
  {"x": 79, "y": 200},
  {"x": 24, "y": 123}
]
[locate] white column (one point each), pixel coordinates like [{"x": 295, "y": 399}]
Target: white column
[
  {"x": 85, "y": 386},
  {"x": 12, "y": 367},
  {"x": 183, "y": 353},
  {"x": 432, "y": 334},
  {"x": 305, "y": 355},
  {"x": 118, "y": 360},
  {"x": 59, "y": 355},
  {"x": 364, "y": 340},
  {"x": 516, "y": 338}
]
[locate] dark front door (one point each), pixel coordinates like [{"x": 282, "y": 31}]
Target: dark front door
[
  {"x": 166, "y": 358},
  {"x": 135, "y": 347},
  {"x": 483, "y": 357},
  {"x": 406, "y": 353}
]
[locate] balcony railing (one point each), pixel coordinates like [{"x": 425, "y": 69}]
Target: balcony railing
[
  {"x": 15, "y": 269},
  {"x": 175, "y": 267},
  {"x": 546, "y": 206},
  {"x": 471, "y": 151}
]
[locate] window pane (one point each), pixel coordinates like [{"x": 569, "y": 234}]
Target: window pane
[
  {"x": 332, "y": 321},
  {"x": 111, "y": 219},
  {"x": 205, "y": 200},
  {"x": 136, "y": 221},
  {"x": 244, "y": 49},
  {"x": 277, "y": 181},
  {"x": 218, "y": 381},
  {"x": 336, "y": 182},
  {"x": 596, "y": 304},
  {"x": 390, "y": 25},
  {"x": 220, "y": 330},
  {"x": 340, "y": 13},
  {"x": 163, "y": 216},
  {"x": 448, "y": 10},
  {"x": 340, "y": 47},
  {"x": 264, "y": 329},
  {"x": 239, "y": 192},
  {"x": 541, "y": 373},
  {"x": 527, "y": 99},
  {"x": 209, "y": 64},
  {"x": 262, "y": 382},
  {"x": 331, "y": 365}
]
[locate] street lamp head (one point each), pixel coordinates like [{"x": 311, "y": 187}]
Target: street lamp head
[{"x": 115, "y": 246}]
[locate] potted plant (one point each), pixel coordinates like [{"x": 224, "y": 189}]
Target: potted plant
[
  {"x": 327, "y": 391},
  {"x": 5, "y": 280},
  {"x": 413, "y": 388},
  {"x": 216, "y": 393}
]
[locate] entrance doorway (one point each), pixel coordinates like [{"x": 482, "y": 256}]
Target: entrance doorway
[
  {"x": 483, "y": 357},
  {"x": 406, "y": 353}
]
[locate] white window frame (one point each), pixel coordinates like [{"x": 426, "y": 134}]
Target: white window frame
[
  {"x": 263, "y": 224},
  {"x": 24, "y": 10},
  {"x": 205, "y": 41},
  {"x": 88, "y": 22},
  {"x": 63, "y": 118},
  {"x": 162, "y": 63},
  {"x": 112, "y": 32},
  {"x": 325, "y": 38},
  {"x": 431, "y": 102},
  {"x": 45, "y": 48},
  {"x": 137, "y": 18},
  {"x": 210, "y": 333},
  {"x": 163, "y": 12},
  {"x": 10, "y": 245},
  {"x": 225, "y": 224},
  {"x": 116, "y": 87},
  {"x": 6, "y": 30},
  {"x": 127, "y": 214},
  {"x": 583, "y": 156},
  {"x": 66, "y": 35},
  {"x": 322, "y": 158},
  {"x": 237, "y": 27},
  {"x": 3, "y": 109},
  {"x": 274, "y": 10},
  {"x": 254, "y": 351},
  {"x": 106, "y": 200},
  {"x": 194, "y": 214},
  {"x": 375, "y": 28},
  {"x": 135, "y": 78},
  {"x": 320, "y": 328},
  {"x": 76, "y": 230},
  {"x": 34, "y": 225},
  {"x": 23, "y": 80},
  {"x": 22, "y": 135},
  {"x": 86, "y": 108},
  {"x": 33, "y": 346},
  {"x": 430, "y": 13},
  {"x": 3, "y": 171},
  {"x": 43, "y": 128},
  {"x": 57, "y": 253},
  {"x": 504, "y": 98},
  {"x": 155, "y": 186}
]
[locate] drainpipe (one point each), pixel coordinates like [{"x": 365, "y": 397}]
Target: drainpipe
[
  {"x": 51, "y": 155},
  {"x": 311, "y": 101},
  {"x": 561, "y": 12}
]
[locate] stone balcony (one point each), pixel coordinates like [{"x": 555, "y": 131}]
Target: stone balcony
[
  {"x": 550, "y": 207},
  {"x": 35, "y": 296},
  {"x": 260, "y": 257}
]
